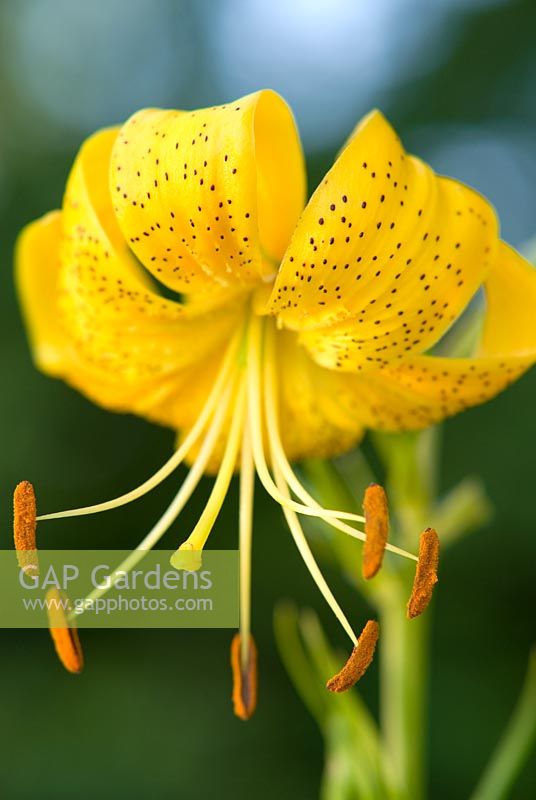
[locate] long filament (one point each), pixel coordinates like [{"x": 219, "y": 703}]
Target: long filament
[
  {"x": 279, "y": 455},
  {"x": 170, "y": 515},
  {"x": 255, "y": 417},
  {"x": 308, "y": 558},
  {"x": 178, "y": 456},
  {"x": 245, "y": 523},
  {"x": 206, "y": 521}
]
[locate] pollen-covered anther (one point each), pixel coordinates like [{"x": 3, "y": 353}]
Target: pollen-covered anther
[
  {"x": 359, "y": 661},
  {"x": 425, "y": 574},
  {"x": 24, "y": 527},
  {"x": 64, "y": 633},
  {"x": 376, "y": 529},
  {"x": 244, "y": 678}
]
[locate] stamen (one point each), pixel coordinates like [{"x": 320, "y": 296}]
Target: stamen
[
  {"x": 311, "y": 506},
  {"x": 223, "y": 378},
  {"x": 272, "y": 418},
  {"x": 172, "y": 512},
  {"x": 280, "y": 490},
  {"x": 278, "y": 454},
  {"x": 309, "y": 560},
  {"x": 425, "y": 574},
  {"x": 24, "y": 527},
  {"x": 376, "y": 529},
  {"x": 256, "y": 427},
  {"x": 64, "y": 634},
  {"x": 359, "y": 661},
  {"x": 244, "y": 677},
  {"x": 245, "y": 525},
  {"x": 196, "y": 541}
]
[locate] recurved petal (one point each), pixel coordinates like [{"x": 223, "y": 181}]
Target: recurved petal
[
  {"x": 174, "y": 400},
  {"x": 424, "y": 389},
  {"x": 115, "y": 317},
  {"x": 385, "y": 256},
  {"x": 210, "y": 197},
  {"x": 510, "y": 325},
  {"x": 120, "y": 342},
  {"x": 37, "y": 264}
]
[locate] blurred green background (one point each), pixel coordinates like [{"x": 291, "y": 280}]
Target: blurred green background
[{"x": 151, "y": 715}]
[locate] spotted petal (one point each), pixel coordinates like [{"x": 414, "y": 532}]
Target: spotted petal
[
  {"x": 119, "y": 341},
  {"x": 385, "y": 256},
  {"x": 209, "y": 198},
  {"x": 423, "y": 389}
]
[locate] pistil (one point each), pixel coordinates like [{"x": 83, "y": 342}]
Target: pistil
[
  {"x": 183, "y": 495},
  {"x": 197, "y": 539}
]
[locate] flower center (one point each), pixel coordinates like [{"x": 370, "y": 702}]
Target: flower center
[{"x": 243, "y": 407}]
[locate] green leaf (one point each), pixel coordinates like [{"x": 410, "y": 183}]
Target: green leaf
[
  {"x": 514, "y": 746},
  {"x": 297, "y": 663}
]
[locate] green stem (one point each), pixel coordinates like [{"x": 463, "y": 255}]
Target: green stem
[
  {"x": 403, "y": 682},
  {"x": 515, "y": 745},
  {"x": 412, "y": 463}
]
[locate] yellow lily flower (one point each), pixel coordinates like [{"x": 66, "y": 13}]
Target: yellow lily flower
[{"x": 295, "y": 327}]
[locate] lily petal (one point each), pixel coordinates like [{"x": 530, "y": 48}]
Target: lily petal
[
  {"x": 422, "y": 389},
  {"x": 118, "y": 340},
  {"x": 309, "y": 407},
  {"x": 385, "y": 256},
  {"x": 209, "y": 198},
  {"x": 510, "y": 325},
  {"x": 37, "y": 263}
]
